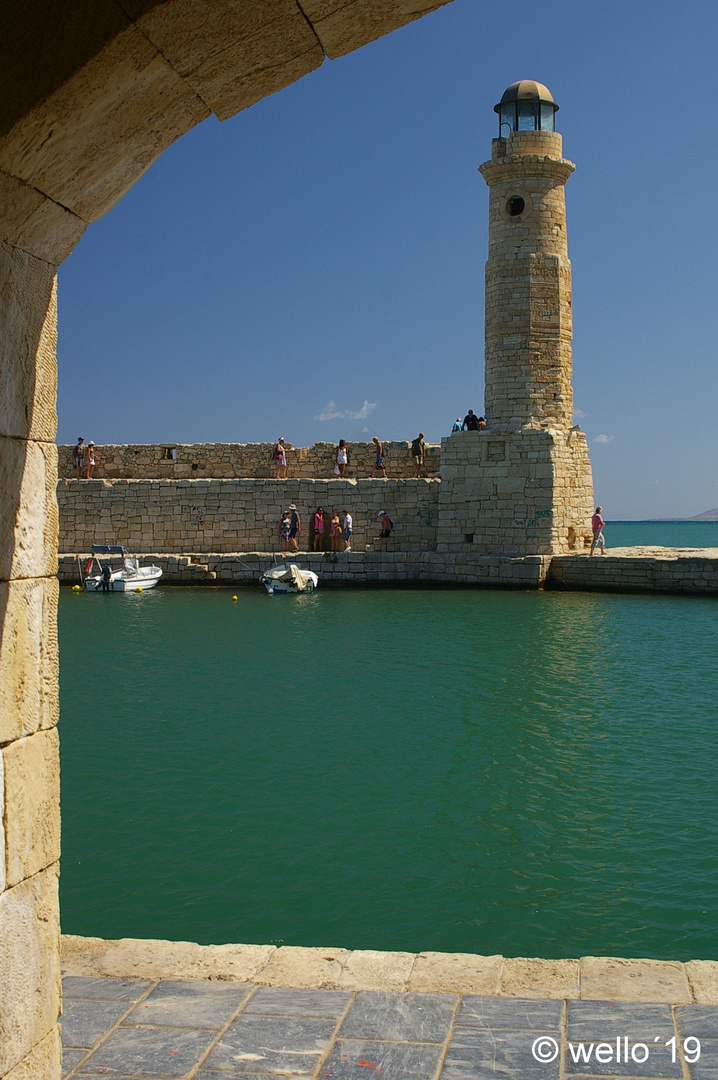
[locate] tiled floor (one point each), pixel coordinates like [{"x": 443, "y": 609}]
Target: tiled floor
[{"x": 212, "y": 1030}]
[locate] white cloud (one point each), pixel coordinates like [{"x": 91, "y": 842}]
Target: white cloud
[
  {"x": 331, "y": 412},
  {"x": 363, "y": 413},
  {"x": 579, "y": 414},
  {"x": 604, "y": 438}
]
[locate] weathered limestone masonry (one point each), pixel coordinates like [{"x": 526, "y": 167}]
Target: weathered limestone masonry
[
  {"x": 180, "y": 516},
  {"x": 91, "y": 96},
  {"x": 227, "y": 461},
  {"x": 690, "y": 573},
  {"x": 524, "y": 485},
  {"x": 357, "y": 568}
]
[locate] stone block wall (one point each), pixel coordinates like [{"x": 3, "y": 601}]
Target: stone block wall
[
  {"x": 523, "y": 493},
  {"x": 196, "y": 461},
  {"x": 181, "y": 516}
]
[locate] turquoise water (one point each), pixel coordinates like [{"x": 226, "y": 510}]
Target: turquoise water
[
  {"x": 697, "y": 534},
  {"x": 471, "y": 771}
]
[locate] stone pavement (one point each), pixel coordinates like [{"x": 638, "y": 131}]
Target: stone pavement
[
  {"x": 157, "y": 1010},
  {"x": 213, "y": 1030}
]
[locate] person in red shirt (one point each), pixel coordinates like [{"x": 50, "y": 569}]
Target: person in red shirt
[{"x": 597, "y": 524}]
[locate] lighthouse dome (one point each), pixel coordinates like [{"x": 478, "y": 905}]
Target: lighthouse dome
[{"x": 526, "y": 105}]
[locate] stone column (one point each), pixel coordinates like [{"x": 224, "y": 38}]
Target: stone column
[{"x": 29, "y": 762}]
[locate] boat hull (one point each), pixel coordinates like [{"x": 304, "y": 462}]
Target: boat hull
[
  {"x": 281, "y": 581},
  {"x": 145, "y": 578}
]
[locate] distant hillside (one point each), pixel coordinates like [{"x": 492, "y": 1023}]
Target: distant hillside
[{"x": 707, "y": 515}]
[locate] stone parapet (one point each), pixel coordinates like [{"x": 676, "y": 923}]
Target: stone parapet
[{"x": 226, "y": 461}]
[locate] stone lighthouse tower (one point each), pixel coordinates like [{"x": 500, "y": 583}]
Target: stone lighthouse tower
[{"x": 523, "y": 485}]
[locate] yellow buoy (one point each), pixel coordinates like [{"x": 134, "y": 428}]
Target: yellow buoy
[
  {"x": 76, "y": 588},
  {"x": 234, "y": 597},
  {"x": 138, "y": 589}
]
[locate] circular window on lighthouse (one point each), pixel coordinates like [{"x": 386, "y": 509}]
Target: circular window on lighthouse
[{"x": 516, "y": 206}]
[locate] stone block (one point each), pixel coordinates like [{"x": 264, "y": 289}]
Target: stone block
[
  {"x": 612, "y": 978},
  {"x": 36, "y": 224},
  {"x": 132, "y": 958},
  {"x": 531, "y": 977},
  {"x": 460, "y": 973},
  {"x": 86, "y": 156},
  {"x": 703, "y": 979},
  {"x": 234, "y": 53},
  {"x": 3, "y": 879},
  {"x": 368, "y": 969},
  {"x": 28, "y": 657},
  {"x": 343, "y": 27},
  {"x": 301, "y": 967},
  {"x": 32, "y": 811},
  {"x": 44, "y": 1062},
  {"x": 28, "y": 316},
  {"x": 29, "y": 519},
  {"x": 29, "y": 973}
]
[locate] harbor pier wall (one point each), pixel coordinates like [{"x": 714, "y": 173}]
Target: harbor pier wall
[
  {"x": 695, "y": 575},
  {"x": 177, "y": 516}
]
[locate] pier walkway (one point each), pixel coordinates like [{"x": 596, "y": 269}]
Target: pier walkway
[{"x": 161, "y": 1010}]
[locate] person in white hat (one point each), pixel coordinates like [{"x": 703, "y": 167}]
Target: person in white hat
[{"x": 386, "y": 526}]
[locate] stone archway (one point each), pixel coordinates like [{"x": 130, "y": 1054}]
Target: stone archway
[{"x": 92, "y": 94}]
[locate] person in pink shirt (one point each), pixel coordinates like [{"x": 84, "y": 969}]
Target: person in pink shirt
[{"x": 597, "y": 524}]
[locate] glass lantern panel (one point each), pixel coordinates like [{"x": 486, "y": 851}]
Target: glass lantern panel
[
  {"x": 548, "y": 121},
  {"x": 507, "y": 119},
  {"x": 528, "y": 115}
]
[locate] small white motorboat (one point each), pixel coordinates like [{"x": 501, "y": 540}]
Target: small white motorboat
[
  {"x": 289, "y": 578},
  {"x": 129, "y": 576}
]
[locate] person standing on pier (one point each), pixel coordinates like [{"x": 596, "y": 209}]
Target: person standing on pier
[
  {"x": 418, "y": 452},
  {"x": 91, "y": 459},
  {"x": 79, "y": 455},
  {"x": 379, "y": 460},
  {"x": 280, "y": 459},
  {"x": 597, "y": 524},
  {"x": 295, "y": 527}
]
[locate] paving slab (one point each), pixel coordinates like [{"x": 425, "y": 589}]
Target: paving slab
[
  {"x": 151, "y": 1052},
  {"x": 496, "y": 1055},
  {"x": 697, "y": 1020},
  {"x": 608, "y": 1020},
  {"x": 104, "y": 989},
  {"x": 362, "y": 1059},
  {"x": 71, "y": 1058},
  {"x": 271, "y": 1044},
  {"x": 307, "y": 1004},
  {"x": 512, "y": 1014},
  {"x": 190, "y": 1004},
  {"x": 86, "y": 1022},
  {"x": 424, "y": 1018}
]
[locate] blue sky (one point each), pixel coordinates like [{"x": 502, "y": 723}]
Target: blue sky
[{"x": 313, "y": 267}]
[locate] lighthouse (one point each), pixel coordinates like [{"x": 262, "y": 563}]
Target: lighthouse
[{"x": 523, "y": 485}]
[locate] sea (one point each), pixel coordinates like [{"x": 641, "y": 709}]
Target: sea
[{"x": 462, "y": 770}]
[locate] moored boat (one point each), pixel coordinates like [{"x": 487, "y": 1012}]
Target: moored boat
[
  {"x": 102, "y": 576},
  {"x": 289, "y": 578}
]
